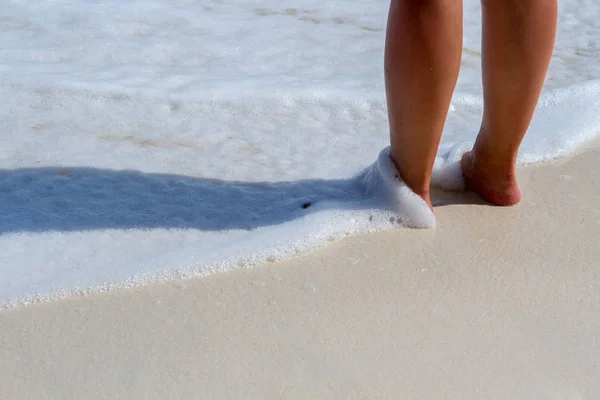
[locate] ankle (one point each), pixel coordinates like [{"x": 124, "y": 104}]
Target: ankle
[
  {"x": 496, "y": 185},
  {"x": 490, "y": 161},
  {"x": 423, "y": 193},
  {"x": 420, "y": 185}
]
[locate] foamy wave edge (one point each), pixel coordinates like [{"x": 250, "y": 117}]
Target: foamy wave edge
[{"x": 572, "y": 111}]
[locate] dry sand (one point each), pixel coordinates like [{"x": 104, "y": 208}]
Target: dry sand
[{"x": 496, "y": 303}]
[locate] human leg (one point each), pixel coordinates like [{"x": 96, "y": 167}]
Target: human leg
[
  {"x": 518, "y": 38},
  {"x": 422, "y": 57}
]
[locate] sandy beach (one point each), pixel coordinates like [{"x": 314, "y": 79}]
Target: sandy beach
[{"x": 495, "y": 303}]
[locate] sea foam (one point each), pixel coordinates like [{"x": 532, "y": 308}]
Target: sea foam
[
  {"x": 381, "y": 179},
  {"x": 121, "y": 190},
  {"x": 129, "y": 156}
]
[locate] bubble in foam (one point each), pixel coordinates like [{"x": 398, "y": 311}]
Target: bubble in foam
[{"x": 381, "y": 180}]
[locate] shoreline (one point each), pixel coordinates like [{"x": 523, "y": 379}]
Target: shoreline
[
  {"x": 493, "y": 303},
  {"x": 448, "y": 195}
]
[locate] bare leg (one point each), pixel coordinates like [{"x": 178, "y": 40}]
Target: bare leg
[
  {"x": 422, "y": 57},
  {"x": 518, "y": 37}
]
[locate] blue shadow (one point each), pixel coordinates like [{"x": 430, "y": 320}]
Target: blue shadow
[{"x": 77, "y": 199}]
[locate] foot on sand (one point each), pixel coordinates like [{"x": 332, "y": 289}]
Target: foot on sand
[{"x": 495, "y": 185}]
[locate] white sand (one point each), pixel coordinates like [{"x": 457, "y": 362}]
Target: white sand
[{"x": 495, "y": 303}]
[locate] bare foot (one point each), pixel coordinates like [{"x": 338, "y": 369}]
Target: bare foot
[{"x": 495, "y": 185}]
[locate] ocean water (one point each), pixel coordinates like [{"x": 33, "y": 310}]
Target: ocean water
[{"x": 150, "y": 140}]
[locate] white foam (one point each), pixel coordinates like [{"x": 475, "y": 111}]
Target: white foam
[
  {"x": 447, "y": 172},
  {"x": 382, "y": 180},
  {"x": 96, "y": 224},
  {"x": 130, "y": 156}
]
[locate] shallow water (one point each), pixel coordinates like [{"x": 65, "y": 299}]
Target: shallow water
[{"x": 148, "y": 140}]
